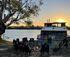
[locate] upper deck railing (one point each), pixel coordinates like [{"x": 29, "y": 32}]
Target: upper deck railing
[{"x": 55, "y": 24}]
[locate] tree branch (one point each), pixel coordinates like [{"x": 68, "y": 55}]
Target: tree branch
[
  {"x": 13, "y": 21},
  {"x": 25, "y": 2},
  {"x": 8, "y": 16},
  {"x": 9, "y": 24}
]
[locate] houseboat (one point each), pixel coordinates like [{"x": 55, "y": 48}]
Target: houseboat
[{"x": 53, "y": 33}]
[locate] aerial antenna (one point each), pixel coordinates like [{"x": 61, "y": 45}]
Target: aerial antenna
[{"x": 48, "y": 20}]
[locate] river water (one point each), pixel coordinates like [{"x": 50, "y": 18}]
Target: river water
[{"x": 11, "y": 34}]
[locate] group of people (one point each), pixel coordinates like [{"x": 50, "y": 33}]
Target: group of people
[
  {"x": 25, "y": 47},
  {"x": 21, "y": 46}
]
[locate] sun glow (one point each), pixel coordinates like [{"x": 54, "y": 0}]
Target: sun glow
[{"x": 60, "y": 20}]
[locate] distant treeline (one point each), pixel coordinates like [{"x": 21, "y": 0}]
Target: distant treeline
[
  {"x": 25, "y": 27},
  {"x": 30, "y": 27},
  {"x": 68, "y": 28}
]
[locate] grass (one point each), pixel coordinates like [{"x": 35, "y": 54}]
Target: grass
[{"x": 4, "y": 42}]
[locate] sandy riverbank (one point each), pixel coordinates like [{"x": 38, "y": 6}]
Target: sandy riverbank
[{"x": 10, "y": 52}]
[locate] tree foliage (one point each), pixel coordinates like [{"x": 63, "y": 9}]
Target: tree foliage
[
  {"x": 29, "y": 22},
  {"x": 21, "y": 9}
]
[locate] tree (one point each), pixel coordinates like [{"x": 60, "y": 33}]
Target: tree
[
  {"x": 21, "y": 9},
  {"x": 28, "y": 23}
]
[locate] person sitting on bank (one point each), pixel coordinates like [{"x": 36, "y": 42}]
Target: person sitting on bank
[
  {"x": 14, "y": 45},
  {"x": 26, "y": 48},
  {"x": 44, "y": 49}
]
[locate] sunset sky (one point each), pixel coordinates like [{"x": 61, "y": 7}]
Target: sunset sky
[{"x": 55, "y": 10}]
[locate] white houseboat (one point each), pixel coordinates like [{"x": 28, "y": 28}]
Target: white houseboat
[{"x": 53, "y": 33}]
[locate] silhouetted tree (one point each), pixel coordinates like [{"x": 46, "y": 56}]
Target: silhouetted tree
[
  {"x": 14, "y": 10},
  {"x": 28, "y": 23}
]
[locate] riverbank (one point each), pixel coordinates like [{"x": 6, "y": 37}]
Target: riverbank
[
  {"x": 11, "y": 53},
  {"x": 64, "y": 52},
  {"x": 5, "y": 42}
]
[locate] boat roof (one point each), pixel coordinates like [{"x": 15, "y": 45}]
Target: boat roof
[
  {"x": 57, "y": 24},
  {"x": 54, "y": 29}
]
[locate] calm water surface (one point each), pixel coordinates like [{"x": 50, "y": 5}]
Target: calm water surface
[{"x": 11, "y": 34}]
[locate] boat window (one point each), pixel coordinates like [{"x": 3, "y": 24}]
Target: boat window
[{"x": 52, "y": 37}]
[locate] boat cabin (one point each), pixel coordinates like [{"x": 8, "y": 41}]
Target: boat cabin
[{"x": 55, "y": 32}]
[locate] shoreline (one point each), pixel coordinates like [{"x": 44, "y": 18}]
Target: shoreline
[
  {"x": 26, "y": 28},
  {"x": 33, "y": 28},
  {"x": 29, "y": 28}
]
